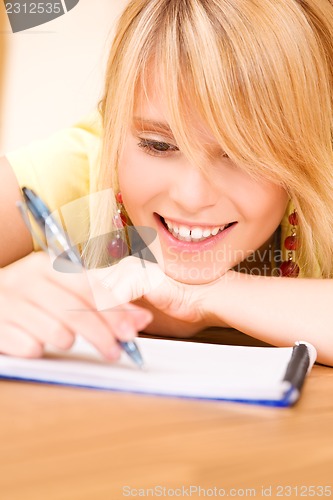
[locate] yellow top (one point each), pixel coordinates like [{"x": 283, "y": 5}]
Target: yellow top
[{"x": 60, "y": 168}]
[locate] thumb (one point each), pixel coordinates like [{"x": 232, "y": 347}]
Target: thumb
[{"x": 124, "y": 282}]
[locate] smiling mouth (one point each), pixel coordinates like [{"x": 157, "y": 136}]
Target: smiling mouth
[{"x": 193, "y": 233}]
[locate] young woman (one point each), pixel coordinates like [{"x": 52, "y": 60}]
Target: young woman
[{"x": 217, "y": 134}]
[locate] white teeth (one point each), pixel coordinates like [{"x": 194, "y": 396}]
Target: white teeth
[
  {"x": 185, "y": 232},
  {"x": 195, "y": 233}
]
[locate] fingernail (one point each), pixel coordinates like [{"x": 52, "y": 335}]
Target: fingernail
[{"x": 126, "y": 331}]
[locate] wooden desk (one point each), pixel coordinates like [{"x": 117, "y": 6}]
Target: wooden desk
[{"x": 63, "y": 443}]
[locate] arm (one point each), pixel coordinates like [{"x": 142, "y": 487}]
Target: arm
[
  {"x": 51, "y": 303},
  {"x": 279, "y": 311},
  {"x": 15, "y": 240}
]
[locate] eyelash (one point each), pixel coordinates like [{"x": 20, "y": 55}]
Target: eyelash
[{"x": 149, "y": 146}]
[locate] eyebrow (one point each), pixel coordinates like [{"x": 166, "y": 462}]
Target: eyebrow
[{"x": 152, "y": 125}]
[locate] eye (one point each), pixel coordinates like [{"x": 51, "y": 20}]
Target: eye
[{"x": 157, "y": 148}]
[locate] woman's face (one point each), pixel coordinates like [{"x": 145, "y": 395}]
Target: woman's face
[{"x": 207, "y": 220}]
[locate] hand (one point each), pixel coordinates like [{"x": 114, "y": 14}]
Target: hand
[
  {"x": 39, "y": 306},
  {"x": 176, "y": 307},
  {"x": 180, "y": 310},
  {"x": 165, "y": 324}
]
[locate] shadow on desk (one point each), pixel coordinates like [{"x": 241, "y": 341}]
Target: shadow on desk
[{"x": 214, "y": 335}]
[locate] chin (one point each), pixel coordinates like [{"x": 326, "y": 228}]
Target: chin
[{"x": 193, "y": 275}]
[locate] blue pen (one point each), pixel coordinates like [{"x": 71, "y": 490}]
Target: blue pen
[{"x": 59, "y": 242}]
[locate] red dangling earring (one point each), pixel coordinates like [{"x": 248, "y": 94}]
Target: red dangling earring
[
  {"x": 117, "y": 247},
  {"x": 289, "y": 268}
]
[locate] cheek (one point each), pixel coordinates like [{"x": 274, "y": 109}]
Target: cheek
[
  {"x": 261, "y": 203},
  {"x": 276, "y": 207},
  {"x": 140, "y": 180},
  {"x": 274, "y": 202},
  {"x": 261, "y": 207}
]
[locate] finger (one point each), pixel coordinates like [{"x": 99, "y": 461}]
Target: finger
[
  {"x": 102, "y": 329},
  {"x": 140, "y": 316},
  {"x": 127, "y": 320},
  {"x": 123, "y": 322},
  {"x": 66, "y": 313},
  {"x": 16, "y": 342},
  {"x": 44, "y": 327},
  {"x": 72, "y": 297},
  {"x": 126, "y": 281}
]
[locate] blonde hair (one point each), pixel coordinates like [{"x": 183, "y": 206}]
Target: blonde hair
[{"x": 259, "y": 73}]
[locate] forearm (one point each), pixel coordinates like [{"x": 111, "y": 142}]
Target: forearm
[
  {"x": 16, "y": 241},
  {"x": 279, "y": 311}
]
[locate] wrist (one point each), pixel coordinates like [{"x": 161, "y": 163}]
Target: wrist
[{"x": 212, "y": 300}]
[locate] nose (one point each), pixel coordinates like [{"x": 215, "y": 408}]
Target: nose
[{"x": 193, "y": 190}]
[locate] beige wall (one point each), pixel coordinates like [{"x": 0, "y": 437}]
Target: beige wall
[{"x": 54, "y": 72}]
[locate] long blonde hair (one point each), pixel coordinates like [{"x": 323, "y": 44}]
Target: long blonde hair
[{"x": 259, "y": 74}]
